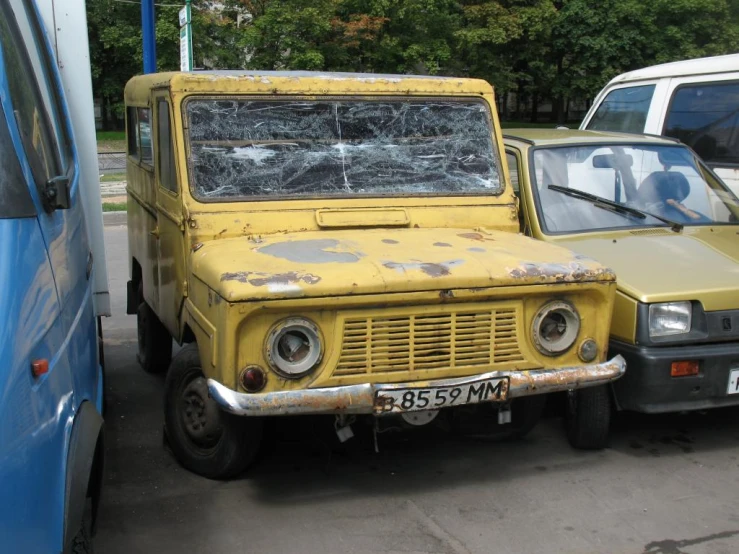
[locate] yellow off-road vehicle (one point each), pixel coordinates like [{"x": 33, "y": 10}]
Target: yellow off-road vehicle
[{"x": 344, "y": 244}]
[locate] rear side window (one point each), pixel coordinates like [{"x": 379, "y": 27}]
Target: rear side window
[
  {"x": 167, "y": 173},
  {"x": 143, "y": 116},
  {"x": 512, "y": 169},
  {"x": 133, "y": 132},
  {"x": 15, "y": 199},
  {"x": 623, "y": 109},
  {"x": 706, "y": 117}
]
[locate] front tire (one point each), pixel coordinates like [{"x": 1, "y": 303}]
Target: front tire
[
  {"x": 588, "y": 417},
  {"x": 205, "y": 439}
]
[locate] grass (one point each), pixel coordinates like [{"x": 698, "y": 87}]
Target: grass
[
  {"x": 112, "y": 177},
  {"x": 114, "y": 206},
  {"x": 110, "y": 135}
]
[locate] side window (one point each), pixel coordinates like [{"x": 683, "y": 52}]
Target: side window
[
  {"x": 513, "y": 170},
  {"x": 32, "y": 93},
  {"x": 623, "y": 109},
  {"x": 15, "y": 199},
  {"x": 132, "y": 131},
  {"x": 706, "y": 118},
  {"x": 144, "y": 124},
  {"x": 165, "y": 156}
]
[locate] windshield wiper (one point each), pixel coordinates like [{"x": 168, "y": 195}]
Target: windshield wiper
[{"x": 615, "y": 206}]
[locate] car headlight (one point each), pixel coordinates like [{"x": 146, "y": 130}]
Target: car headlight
[
  {"x": 293, "y": 347},
  {"x": 669, "y": 318},
  {"x": 556, "y": 326}
]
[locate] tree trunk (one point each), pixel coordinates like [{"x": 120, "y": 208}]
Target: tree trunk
[{"x": 534, "y": 107}]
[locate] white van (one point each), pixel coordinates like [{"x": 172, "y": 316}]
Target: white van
[{"x": 695, "y": 101}]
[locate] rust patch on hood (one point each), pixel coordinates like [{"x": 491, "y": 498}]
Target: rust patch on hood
[
  {"x": 574, "y": 271},
  {"x": 475, "y": 236},
  {"x": 258, "y": 279},
  {"x": 315, "y": 251},
  {"x": 432, "y": 269},
  {"x": 443, "y": 244}
]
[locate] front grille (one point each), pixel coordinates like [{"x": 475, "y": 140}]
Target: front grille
[{"x": 452, "y": 338}]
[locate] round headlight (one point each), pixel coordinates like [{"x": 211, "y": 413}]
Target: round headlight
[
  {"x": 555, "y": 329},
  {"x": 294, "y": 347}
]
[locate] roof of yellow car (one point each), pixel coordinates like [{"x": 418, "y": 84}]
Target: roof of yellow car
[
  {"x": 299, "y": 82},
  {"x": 551, "y": 137}
]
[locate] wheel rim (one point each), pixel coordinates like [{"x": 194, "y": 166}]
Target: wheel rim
[{"x": 199, "y": 415}]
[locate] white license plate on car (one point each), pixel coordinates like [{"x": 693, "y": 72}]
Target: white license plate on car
[
  {"x": 435, "y": 398},
  {"x": 733, "y": 387}
]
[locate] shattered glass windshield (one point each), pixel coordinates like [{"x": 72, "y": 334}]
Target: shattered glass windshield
[{"x": 241, "y": 148}]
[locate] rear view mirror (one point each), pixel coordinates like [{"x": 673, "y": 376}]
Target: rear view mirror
[{"x": 612, "y": 161}]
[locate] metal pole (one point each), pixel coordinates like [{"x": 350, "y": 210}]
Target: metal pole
[{"x": 148, "y": 32}]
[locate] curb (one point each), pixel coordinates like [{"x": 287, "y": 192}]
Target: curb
[{"x": 112, "y": 219}]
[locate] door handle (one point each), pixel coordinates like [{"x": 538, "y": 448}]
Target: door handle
[{"x": 155, "y": 232}]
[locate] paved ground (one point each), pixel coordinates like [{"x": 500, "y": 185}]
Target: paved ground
[{"x": 667, "y": 485}]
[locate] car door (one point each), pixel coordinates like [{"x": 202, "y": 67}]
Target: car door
[{"x": 170, "y": 219}]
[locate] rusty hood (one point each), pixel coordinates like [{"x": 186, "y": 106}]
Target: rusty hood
[{"x": 371, "y": 261}]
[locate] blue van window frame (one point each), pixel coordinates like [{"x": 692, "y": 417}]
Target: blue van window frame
[{"x": 35, "y": 95}]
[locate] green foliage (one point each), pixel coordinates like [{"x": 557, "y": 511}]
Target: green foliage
[{"x": 541, "y": 49}]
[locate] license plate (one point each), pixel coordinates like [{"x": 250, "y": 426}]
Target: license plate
[
  {"x": 434, "y": 398},
  {"x": 733, "y": 387}
]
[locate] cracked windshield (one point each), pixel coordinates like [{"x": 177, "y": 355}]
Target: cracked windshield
[
  {"x": 591, "y": 187},
  {"x": 244, "y": 148}
]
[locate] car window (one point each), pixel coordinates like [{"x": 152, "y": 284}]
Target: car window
[
  {"x": 512, "y": 169},
  {"x": 167, "y": 172},
  {"x": 242, "y": 148},
  {"x": 133, "y": 132},
  {"x": 706, "y": 118},
  {"x": 623, "y": 109},
  {"x": 143, "y": 116},
  {"x": 15, "y": 198},
  {"x": 655, "y": 179},
  {"x": 32, "y": 93}
]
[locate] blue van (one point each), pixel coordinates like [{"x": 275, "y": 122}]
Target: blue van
[{"x": 51, "y": 378}]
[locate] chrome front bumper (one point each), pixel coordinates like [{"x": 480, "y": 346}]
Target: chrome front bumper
[{"x": 360, "y": 399}]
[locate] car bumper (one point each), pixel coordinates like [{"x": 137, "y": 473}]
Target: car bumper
[
  {"x": 362, "y": 399},
  {"x": 648, "y": 386}
]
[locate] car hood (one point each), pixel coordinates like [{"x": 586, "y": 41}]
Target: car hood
[
  {"x": 658, "y": 265},
  {"x": 371, "y": 261}
]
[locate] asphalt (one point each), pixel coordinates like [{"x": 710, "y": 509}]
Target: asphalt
[{"x": 666, "y": 485}]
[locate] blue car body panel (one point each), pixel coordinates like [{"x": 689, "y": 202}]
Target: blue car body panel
[{"x": 46, "y": 312}]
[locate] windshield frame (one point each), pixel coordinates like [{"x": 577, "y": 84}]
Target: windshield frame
[
  {"x": 329, "y": 98},
  {"x": 699, "y": 164}
]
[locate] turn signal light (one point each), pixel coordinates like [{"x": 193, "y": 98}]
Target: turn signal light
[
  {"x": 683, "y": 369},
  {"x": 39, "y": 367}
]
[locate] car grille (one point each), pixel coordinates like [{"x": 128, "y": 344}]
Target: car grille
[{"x": 451, "y": 338}]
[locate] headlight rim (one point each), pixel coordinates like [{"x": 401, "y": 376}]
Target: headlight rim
[
  {"x": 278, "y": 330},
  {"x": 546, "y": 309},
  {"x": 652, "y": 307}
]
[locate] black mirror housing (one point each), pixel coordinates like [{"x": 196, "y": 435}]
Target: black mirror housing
[{"x": 56, "y": 194}]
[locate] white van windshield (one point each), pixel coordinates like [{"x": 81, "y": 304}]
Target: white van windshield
[
  {"x": 624, "y": 110},
  {"x": 589, "y": 187}
]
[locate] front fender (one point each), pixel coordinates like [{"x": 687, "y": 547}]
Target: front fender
[{"x": 84, "y": 469}]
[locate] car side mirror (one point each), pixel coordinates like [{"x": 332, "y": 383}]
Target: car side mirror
[{"x": 56, "y": 194}]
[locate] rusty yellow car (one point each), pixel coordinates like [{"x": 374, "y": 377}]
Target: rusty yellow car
[
  {"x": 343, "y": 244},
  {"x": 655, "y": 213}
]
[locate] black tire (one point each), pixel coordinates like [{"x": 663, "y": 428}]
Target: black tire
[
  {"x": 204, "y": 439},
  {"x": 155, "y": 342},
  {"x": 526, "y": 413},
  {"x": 588, "y": 417},
  {"x": 82, "y": 542}
]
